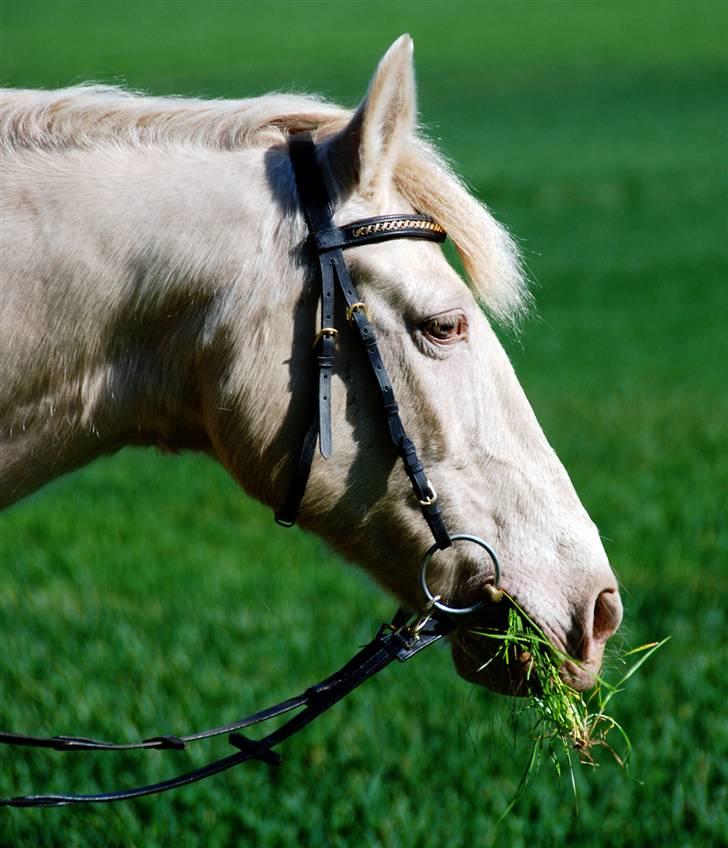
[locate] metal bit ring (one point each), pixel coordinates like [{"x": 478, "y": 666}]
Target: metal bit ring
[{"x": 433, "y": 600}]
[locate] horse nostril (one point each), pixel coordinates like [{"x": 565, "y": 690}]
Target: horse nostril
[{"x": 607, "y": 615}]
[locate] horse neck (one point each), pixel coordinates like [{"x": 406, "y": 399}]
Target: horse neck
[{"x": 120, "y": 292}]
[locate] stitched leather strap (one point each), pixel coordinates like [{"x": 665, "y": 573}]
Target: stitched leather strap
[
  {"x": 329, "y": 242},
  {"x": 398, "y": 640},
  {"x": 325, "y": 361},
  {"x": 404, "y": 445}
]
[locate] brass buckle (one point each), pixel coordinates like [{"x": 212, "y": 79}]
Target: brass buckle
[
  {"x": 331, "y": 332},
  {"x": 424, "y": 617},
  {"x": 356, "y": 307},
  {"x": 431, "y": 499}
]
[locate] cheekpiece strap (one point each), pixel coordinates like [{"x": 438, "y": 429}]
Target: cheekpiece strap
[{"x": 329, "y": 242}]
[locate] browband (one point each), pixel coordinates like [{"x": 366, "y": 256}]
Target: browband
[
  {"x": 329, "y": 241},
  {"x": 381, "y": 228}
]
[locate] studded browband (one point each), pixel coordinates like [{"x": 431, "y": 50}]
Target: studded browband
[
  {"x": 381, "y": 228},
  {"x": 329, "y": 241}
]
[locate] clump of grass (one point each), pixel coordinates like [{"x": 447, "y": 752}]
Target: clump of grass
[{"x": 567, "y": 725}]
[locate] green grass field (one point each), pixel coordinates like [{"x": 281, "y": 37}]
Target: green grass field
[{"x": 146, "y": 593}]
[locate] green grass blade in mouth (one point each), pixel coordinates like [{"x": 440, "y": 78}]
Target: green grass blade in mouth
[{"x": 564, "y": 720}]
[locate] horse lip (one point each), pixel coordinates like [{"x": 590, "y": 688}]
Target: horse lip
[
  {"x": 577, "y": 675},
  {"x": 574, "y": 673},
  {"x": 495, "y": 674},
  {"x": 474, "y": 664},
  {"x": 557, "y": 642}
]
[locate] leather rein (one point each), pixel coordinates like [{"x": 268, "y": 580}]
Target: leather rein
[{"x": 407, "y": 634}]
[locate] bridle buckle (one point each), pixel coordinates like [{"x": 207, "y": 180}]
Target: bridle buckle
[
  {"x": 357, "y": 307},
  {"x": 329, "y": 332},
  {"x": 424, "y": 618},
  {"x": 431, "y": 498}
]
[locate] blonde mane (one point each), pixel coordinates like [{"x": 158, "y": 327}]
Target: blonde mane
[{"x": 89, "y": 115}]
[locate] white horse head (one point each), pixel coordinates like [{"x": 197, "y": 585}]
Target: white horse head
[{"x": 158, "y": 290}]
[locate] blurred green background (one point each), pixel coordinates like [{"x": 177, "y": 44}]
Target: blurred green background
[{"x": 146, "y": 593}]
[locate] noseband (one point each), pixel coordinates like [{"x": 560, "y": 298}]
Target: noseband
[{"x": 406, "y": 635}]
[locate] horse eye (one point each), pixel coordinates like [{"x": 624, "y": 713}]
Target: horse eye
[{"x": 445, "y": 329}]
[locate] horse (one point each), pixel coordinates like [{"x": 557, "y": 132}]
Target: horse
[{"x": 157, "y": 289}]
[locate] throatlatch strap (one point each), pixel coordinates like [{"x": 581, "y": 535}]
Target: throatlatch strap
[{"x": 329, "y": 241}]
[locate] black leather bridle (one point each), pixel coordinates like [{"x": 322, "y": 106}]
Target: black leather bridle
[
  {"x": 329, "y": 243},
  {"x": 406, "y": 635}
]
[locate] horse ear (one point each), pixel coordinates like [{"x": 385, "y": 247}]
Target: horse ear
[{"x": 364, "y": 154}]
